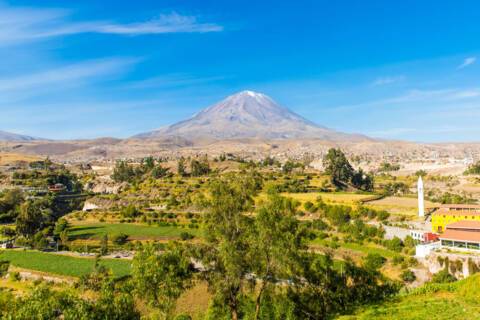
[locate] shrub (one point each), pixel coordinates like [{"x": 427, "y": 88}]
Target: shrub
[
  {"x": 119, "y": 238},
  {"x": 443, "y": 277},
  {"x": 394, "y": 244},
  {"x": 398, "y": 259},
  {"x": 130, "y": 211},
  {"x": 408, "y": 276},
  {"x": 4, "y": 267},
  {"x": 308, "y": 206},
  {"x": 15, "y": 276},
  {"x": 374, "y": 261},
  {"x": 186, "y": 236}
]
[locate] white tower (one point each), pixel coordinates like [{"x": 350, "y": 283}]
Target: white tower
[{"x": 421, "y": 205}]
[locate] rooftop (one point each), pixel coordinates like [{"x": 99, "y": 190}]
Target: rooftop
[
  {"x": 465, "y": 225},
  {"x": 457, "y": 213},
  {"x": 458, "y": 209},
  {"x": 460, "y": 206},
  {"x": 460, "y": 235}
]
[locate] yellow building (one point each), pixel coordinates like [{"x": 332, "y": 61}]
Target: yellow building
[{"x": 449, "y": 213}]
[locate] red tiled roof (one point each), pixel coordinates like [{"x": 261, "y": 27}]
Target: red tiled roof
[
  {"x": 459, "y": 235},
  {"x": 464, "y": 224}
]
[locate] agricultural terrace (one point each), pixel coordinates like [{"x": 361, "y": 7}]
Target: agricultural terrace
[
  {"x": 399, "y": 205},
  {"x": 95, "y": 231},
  {"x": 63, "y": 265},
  {"x": 328, "y": 197}
]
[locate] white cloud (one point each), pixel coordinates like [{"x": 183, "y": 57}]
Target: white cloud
[
  {"x": 387, "y": 80},
  {"x": 166, "y": 23},
  {"x": 417, "y": 95},
  {"x": 19, "y": 25},
  {"x": 172, "y": 80},
  {"x": 467, "y": 62},
  {"x": 55, "y": 79}
]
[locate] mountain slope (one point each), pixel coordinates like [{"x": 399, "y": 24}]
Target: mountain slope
[
  {"x": 248, "y": 115},
  {"x": 7, "y": 136}
]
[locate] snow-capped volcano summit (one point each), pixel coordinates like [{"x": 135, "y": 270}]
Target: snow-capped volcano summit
[{"x": 247, "y": 114}]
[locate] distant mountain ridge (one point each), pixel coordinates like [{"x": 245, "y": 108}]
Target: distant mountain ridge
[
  {"x": 8, "y": 136},
  {"x": 248, "y": 114}
]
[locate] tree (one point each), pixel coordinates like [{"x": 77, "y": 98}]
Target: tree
[
  {"x": 30, "y": 219},
  {"x": 225, "y": 253},
  {"x": 60, "y": 226},
  {"x": 104, "y": 245},
  {"x": 181, "y": 167},
  {"x": 159, "y": 172},
  {"x": 148, "y": 163},
  {"x": 9, "y": 204},
  {"x": 473, "y": 169},
  {"x": 362, "y": 180},
  {"x": 123, "y": 172},
  {"x": 421, "y": 173},
  {"x": 342, "y": 173},
  {"x": 276, "y": 244},
  {"x": 199, "y": 167},
  {"x": 64, "y": 238},
  {"x": 162, "y": 278},
  {"x": 337, "y": 166}
]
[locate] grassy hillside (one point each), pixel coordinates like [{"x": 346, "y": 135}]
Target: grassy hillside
[{"x": 456, "y": 301}]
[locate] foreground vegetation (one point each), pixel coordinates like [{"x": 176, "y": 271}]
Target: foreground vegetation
[
  {"x": 449, "y": 301},
  {"x": 264, "y": 241}
]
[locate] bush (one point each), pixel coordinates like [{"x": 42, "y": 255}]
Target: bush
[
  {"x": 186, "y": 236},
  {"x": 398, "y": 259},
  {"x": 408, "y": 276},
  {"x": 4, "y": 267},
  {"x": 374, "y": 261},
  {"x": 119, "y": 238},
  {"x": 394, "y": 244},
  {"x": 130, "y": 211},
  {"x": 443, "y": 277},
  {"x": 15, "y": 276}
]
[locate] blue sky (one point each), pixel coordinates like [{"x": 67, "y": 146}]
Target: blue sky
[{"x": 85, "y": 69}]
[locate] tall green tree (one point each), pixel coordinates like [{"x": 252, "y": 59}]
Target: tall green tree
[
  {"x": 181, "y": 167},
  {"x": 337, "y": 166},
  {"x": 161, "y": 278},
  {"x": 30, "y": 219},
  {"x": 276, "y": 245},
  {"x": 225, "y": 254}
]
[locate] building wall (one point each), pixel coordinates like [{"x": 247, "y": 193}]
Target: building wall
[{"x": 441, "y": 220}]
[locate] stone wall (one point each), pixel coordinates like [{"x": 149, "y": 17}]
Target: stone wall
[{"x": 460, "y": 265}]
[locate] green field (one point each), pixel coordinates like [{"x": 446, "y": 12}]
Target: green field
[
  {"x": 455, "y": 301},
  {"x": 61, "y": 265},
  {"x": 134, "y": 231}
]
